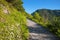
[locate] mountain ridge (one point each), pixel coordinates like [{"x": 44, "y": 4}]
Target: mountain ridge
[{"x": 48, "y": 10}]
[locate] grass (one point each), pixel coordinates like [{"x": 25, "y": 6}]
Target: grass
[{"x": 12, "y": 24}]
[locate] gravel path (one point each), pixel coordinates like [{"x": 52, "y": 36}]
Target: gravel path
[{"x": 37, "y": 32}]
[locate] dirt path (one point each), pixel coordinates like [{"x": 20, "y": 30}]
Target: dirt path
[{"x": 37, "y": 32}]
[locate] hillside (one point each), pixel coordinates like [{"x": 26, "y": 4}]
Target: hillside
[
  {"x": 14, "y": 22},
  {"x": 11, "y": 20},
  {"x": 49, "y": 19},
  {"x": 47, "y": 14}
]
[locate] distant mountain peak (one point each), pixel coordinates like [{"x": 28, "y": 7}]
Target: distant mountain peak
[{"x": 48, "y": 11}]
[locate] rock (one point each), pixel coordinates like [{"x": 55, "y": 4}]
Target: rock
[{"x": 5, "y": 10}]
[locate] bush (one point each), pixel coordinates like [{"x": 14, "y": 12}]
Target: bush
[{"x": 54, "y": 27}]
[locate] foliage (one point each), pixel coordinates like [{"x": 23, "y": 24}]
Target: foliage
[
  {"x": 55, "y": 26},
  {"x": 49, "y": 19},
  {"x": 12, "y": 23},
  {"x": 17, "y": 4},
  {"x": 36, "y": 16}
]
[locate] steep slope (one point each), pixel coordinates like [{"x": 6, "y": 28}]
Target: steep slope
[{"x": 11, "y": 22}]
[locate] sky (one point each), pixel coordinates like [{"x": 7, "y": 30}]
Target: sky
[{"x": 32, "y": 5}]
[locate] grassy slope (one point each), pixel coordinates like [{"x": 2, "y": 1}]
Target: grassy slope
[{"x": 12, "y": 24}]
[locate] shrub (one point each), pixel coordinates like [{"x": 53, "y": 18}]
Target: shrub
[{"x": 12, "y": 25}]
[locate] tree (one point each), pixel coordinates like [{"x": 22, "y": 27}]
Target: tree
[
  {"x": 36, "y": 16},
  {"x": 17, "y": 4}
]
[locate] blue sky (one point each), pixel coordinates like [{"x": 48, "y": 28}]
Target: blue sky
[{"x": 32, "y": 5}]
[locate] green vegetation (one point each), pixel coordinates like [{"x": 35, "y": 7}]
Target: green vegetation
[
  {"x": 12, "y": 22},
  {"x": 49, "y": 19},
  {"x": 54, "y": 26},
  {"x": 17, "y": 4}
]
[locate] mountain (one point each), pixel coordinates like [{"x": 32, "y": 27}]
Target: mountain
[
  {"x": 49, "y": 19},
  {"x": 47, "y": 14},
  {"x": 11, "y": 20}
]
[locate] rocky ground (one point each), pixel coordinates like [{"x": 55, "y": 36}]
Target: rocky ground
[{"x": 37, "y": 32}]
